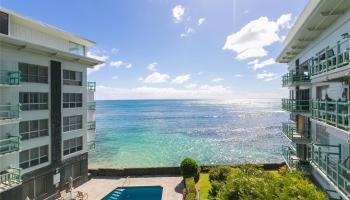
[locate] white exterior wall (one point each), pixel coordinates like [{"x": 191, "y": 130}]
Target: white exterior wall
[{"x": 9, "y": 59}]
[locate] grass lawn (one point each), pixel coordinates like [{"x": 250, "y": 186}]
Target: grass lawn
[{"x": 204, "y": 186}]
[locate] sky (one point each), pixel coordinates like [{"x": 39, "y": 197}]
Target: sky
[{"x": 179, "y": 49}]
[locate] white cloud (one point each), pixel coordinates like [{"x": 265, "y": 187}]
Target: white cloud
[
  {"x": 239, "y": 76},
  {"x": 115, "y": 77},
  {"x": 178, "y": 13},
  {"x": 156, "y": 77},
  {"x": 245, "y": 11},
  {"x": 146, "y": 92},
  {"x": 251, "y": 40},
  {"x": 190, "y": 86},
  {"x": 215, "y": 80},
  {"x": 152, "y": 66},
  {"x": 200, "y": 73},
  {"x": 114, "y": 50},
  {"x": 181, "y": 79},
  {"x": 96, "y": 55},
  {"x": 119, "y": 63},
  {"x": 201, "y": 21},
  {"x": 285, "y": 21},
  {"x": 267, "y": 76},
  {"x": 262, "y": 64},
  {"x": 128, "y": 66},
  {"x": 188, "y": 32}
]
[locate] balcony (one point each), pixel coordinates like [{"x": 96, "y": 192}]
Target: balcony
[
  {"x": 91, "y": 126},
  {"x": 293, "y": 105},
  {"x": 292, "y": 160},
  {"x": 91, "y": 134},
  {"x": 92, "y": 105},
  {"x": 334, "y": 113},
  {"x": 91, "y": 86},
  {"x": 297, "y": 136},
  {"x": 331, "y": 58},
  {"x": 9, "y": 77},
  {"x": 9, "y": 113},
  {"x": 9, "y": 179},
  {"x": 295, "y": 78},
  {"x": 327, "y": 159},
  {"x": 9, "y": 145}
]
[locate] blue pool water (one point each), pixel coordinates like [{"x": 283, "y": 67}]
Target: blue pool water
[
  {"x": 135, "y": 193},
  {"x": 160, "y": 133}
]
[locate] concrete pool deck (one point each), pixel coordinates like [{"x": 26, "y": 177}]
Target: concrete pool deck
[{"x": 99, "y": 186}]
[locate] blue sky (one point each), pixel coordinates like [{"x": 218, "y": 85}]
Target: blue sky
[{"x": 155, "y": 49}]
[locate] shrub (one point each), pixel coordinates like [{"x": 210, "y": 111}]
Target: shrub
[
  {"x": 219, "y": 173},
  {"x": 190, "y": 168},
  {"x": 253, "y": 183},
  {"x": 191, "y": 196},
  {"x": 191, "y": 191}
]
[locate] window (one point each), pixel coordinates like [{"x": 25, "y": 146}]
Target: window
[
  {"x": 72, "y": 100},
  {"x": 72, "y": 145},
  {"x": 77, "y": 49},
  {"x": 33, "y": 157},
  {"x": 72, "y": 77},
  {"x": 76, "y": 170},
  {"x": 4, "y": 23},
  {"x": 34, "y": 128},
  {"x": 71, "y": 123},
  {"x": 33, "y": 100},
  {"x": 33, "y": 73}
]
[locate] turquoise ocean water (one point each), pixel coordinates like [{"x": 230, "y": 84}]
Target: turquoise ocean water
[{"x": 153, "y": 133}]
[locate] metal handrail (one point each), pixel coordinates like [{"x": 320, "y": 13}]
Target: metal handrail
[
  {"x": 10, "y": 178},
  {"x": 294, "y": 134},
  {"x": 294, "y": 105},
  {"x": 335, "y": 113}
]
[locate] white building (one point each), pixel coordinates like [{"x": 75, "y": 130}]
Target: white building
[
  {"x": 317, "y": 51},
  {"x": 47, "y": 108}
]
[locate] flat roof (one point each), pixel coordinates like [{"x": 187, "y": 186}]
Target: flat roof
[
  {"x": 47, "y": 28},
  {"x": 317, "y": 16},
  {"x": 47, "y": 51}
]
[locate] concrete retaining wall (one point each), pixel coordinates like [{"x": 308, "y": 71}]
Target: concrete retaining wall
[{"x": 174, "y": 171}]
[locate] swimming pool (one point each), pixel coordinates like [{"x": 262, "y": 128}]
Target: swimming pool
[{"x": 136, "y": 193}]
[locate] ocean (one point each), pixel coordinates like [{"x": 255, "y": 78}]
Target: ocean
[{"x": 160, "y": 133}]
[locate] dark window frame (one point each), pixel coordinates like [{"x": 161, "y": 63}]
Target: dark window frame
[
  {"x": 72, "y": 77},
  {"x": 75, "y": 100},
  {"x": 34, "y": 101},
  {"x": 32, "y": 73}
]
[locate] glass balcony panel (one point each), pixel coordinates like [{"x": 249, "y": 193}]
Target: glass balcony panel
[
  {"x": 293, "y": 105},
  {"x": 92, "y": 105},
  {"x": 9, "y": 145},
  {"x": 91, "y": 86},
  {"x": 9, "y": 112},
  {"x": 9, "y": 77}
]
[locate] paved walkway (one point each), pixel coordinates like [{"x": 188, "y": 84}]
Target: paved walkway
[{"x": 98, "y": 187}]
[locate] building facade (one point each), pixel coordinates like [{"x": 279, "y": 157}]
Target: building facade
[
  {"x": 47, "y": 123},
  {"x": 317, "y": 51}
]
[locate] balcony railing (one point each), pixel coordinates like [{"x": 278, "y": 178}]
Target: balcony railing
[
  {"x": 293, "y": 105},
  {"x": 293, "y": 78},
  {"x": 91, "y": 86},
  {"x": 91, "y": 125},
  {"x": 334, "y": 113},
  {"x": 10, "y": 179},
  {"x": 8, "y": 112},
  {"x": 290, "y": 157},
  {"x": 294, "y": 134},
  {"x": 92, "y": 105},
  {"x": 9, "y": 145},
  {"x": 331, "y": 58},
  {"x": 9, "y": 77},
  {"x": 327, "y": 158}
]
